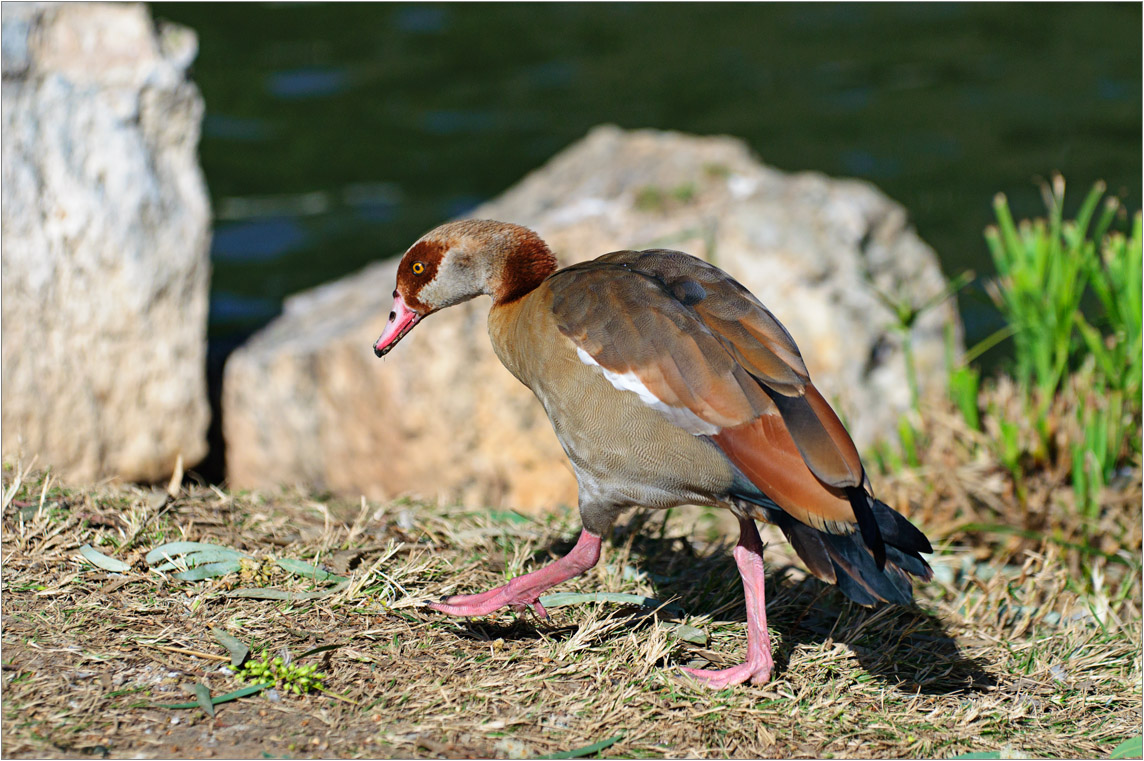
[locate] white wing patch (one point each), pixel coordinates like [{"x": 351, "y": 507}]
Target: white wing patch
[{"x": 680, "y": 416}]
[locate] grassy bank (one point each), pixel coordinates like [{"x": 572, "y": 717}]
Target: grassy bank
[{"x": 1005, "y": 650}]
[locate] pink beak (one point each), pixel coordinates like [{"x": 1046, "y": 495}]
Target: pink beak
[{"x": 401, "y": 321}]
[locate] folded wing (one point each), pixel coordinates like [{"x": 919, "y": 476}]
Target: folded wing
[{"x": 698, "y": 340}]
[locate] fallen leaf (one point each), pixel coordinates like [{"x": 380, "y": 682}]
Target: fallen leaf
[{"x": 103, "y": 561}]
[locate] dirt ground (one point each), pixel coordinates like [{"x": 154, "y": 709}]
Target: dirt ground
[{"x": 1007, "y": 655}]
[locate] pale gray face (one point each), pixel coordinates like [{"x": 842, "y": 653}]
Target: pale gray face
[
  {"x": 444, "y": 268},
  {"x": 462, "y": 273}
]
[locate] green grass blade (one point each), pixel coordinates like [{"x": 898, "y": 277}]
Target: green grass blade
[
  {"x": 1087, "y": 207},
  {"x": 103, "y": 561},
  {"x": 192, "y": 559},
  {"x": 305, "y": 570},
  {"x": 1094, "y": 342},
  {"x": 1009, "y": 239},
  {"x": 987, "y": 343},
  {"x": 907, "y": 436},
  {"x": 587, "y": 750},
  {"x": 508, "y": 516},
  {"x": 1111, "y": 206},
  {"x": 242, "y": 693},
  {"x": 964, "y": 387}
]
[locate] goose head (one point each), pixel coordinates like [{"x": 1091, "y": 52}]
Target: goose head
[{"x": 459, "y": 261}]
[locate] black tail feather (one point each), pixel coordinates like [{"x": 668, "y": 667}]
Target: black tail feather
[
  {"x": 898, "y": 531},
  {"x": 807, "y": 542},
  {"x": 849, "y": 561},
  {"x": 888, "y": 583},
  {"x": 867, "y": 523}
]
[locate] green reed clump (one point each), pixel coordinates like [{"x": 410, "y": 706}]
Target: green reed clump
[
  {"x": 1070, "y": 291},
  {"x": 1043, "y": 268}
]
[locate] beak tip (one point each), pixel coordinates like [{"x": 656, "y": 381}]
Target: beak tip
[{"x": 401, "y": 321}]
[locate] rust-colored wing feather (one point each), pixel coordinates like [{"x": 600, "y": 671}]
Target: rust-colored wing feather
[
  {"x": 766, "y": 454},
  {"x": 699, "y": 340}
]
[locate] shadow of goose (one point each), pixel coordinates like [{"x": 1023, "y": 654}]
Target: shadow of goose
[{"x": 906, "y": 647}]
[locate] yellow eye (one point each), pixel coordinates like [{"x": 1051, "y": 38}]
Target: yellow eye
[{"x": 418, "y": 268}]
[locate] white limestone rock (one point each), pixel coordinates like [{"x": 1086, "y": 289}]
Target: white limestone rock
[
  {"x": 105, "y": 243},
  {"x": 305, "y": 401}
]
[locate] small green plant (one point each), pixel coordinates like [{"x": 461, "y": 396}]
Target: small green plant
[
  {"x": 1106, "y": 420},
  {"x": 1043, "y": 268},
  {"x": 651, "y": 198},
  {"x": 1070, "y": 291},
  {"x": 964, "y": 379},
  {"x": 684, "y": 193},
  {"x": 906, "y": 313},
  {"x": 286, "y": 676},
  {"x": 964, "y": 388},
  {"x": 1046, "y": 269},
  {"x": 908, "y": 434}
]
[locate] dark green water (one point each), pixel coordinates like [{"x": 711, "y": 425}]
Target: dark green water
[{"x": 337, "y": 134}]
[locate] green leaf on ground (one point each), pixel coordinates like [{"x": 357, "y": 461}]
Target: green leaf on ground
[
  {"x": 192, "y": 559},
  {"x": 691, "y": 634},
  {"x": 980, "y": 754},
  {"x": 238, "y": 651},
  {"x": 103, "y": 561},
  {"x": 301, "y": 568},
  {"x": 587, "y": 750},
  {"x": 210, "y": 571},
  {"x": 508, "y": 516},
  {"x": 172, "y": 549},
  {"x": 203, "y": 698},
  {"x": 1133, "y": 747}
]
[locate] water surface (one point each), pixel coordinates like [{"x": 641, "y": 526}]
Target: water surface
[{"x": 337, "y": 134}]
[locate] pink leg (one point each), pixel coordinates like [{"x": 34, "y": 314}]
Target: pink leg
[
  {"x": 523, "y": 591},
  {"x": 749, "y": 557}
]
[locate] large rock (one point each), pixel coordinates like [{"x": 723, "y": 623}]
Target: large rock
[
  {"x": 306, "y": 401},
  {"x": 105, "y": 242}
]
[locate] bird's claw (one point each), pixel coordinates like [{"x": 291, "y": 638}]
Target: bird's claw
[
  {"x": 719, "y": 678},
  {"x": 487, "y": 602}
]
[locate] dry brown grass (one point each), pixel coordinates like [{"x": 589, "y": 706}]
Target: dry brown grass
[
  {"x": 1006, "y": 653},
  {"x": 962, "y": 493}
]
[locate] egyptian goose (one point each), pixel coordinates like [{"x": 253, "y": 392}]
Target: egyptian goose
[{"x": 667, "y": 383}]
